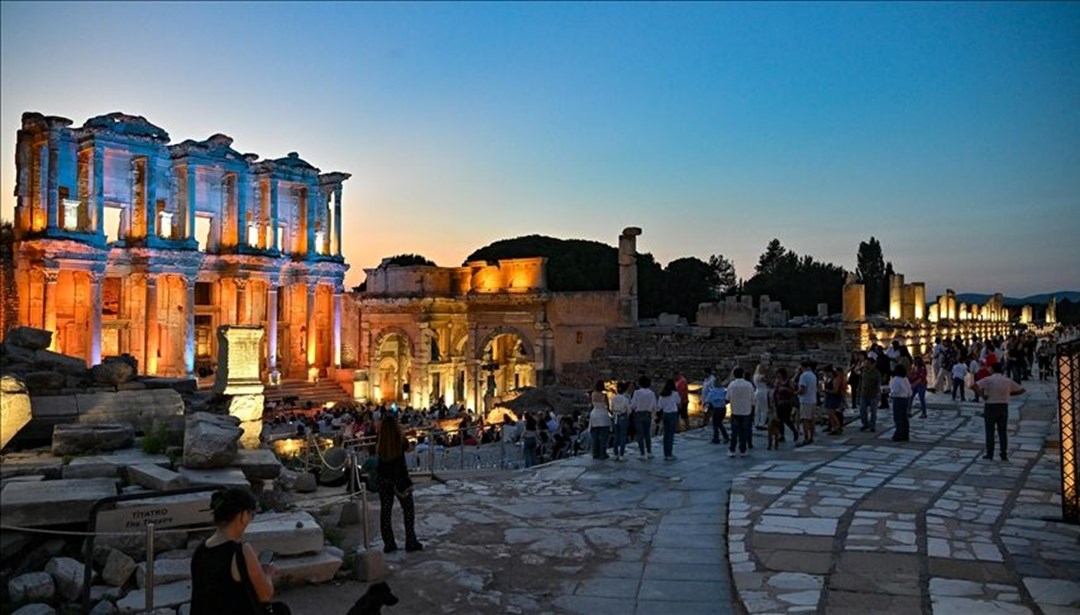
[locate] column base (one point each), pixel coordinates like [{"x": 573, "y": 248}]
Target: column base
[
  {"x": 275, "y": 377},
  {"x": 313, "y": 374}
]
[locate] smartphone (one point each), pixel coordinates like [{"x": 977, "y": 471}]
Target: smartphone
[{"x": 266, "y": 558}]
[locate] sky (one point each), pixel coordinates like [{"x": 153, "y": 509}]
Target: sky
[{"x": 951, "y": 132}]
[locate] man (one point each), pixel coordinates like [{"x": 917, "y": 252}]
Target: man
[
  {"x": 959, "y": 371},
  {"x": 740, "y": 393},
  {"x": 935, "y": 363},
  {"x": 714, "y": 396},
  {"x": 869, "y": 392},
  {"x": 808, "y": 389},
  {"x": 683, "y": 389},
  {"x": 997, "y": 389}
]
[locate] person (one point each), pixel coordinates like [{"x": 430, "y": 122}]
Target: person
[
  {"x": 620, "y": 407},
  {"x": 855, "y": 365},
  {"x": 740, "y": 394},
  {"x": 761, "y": 398},
  {"x": 682, "y": 387},
  {"x": 997, "y": 389},
  {"x": 394, "y": 482},
  {"x": 643, "y": 406},
  {"x": 900, "y": 394},
  {"x": 869, "y": 390},
  {"x": 959, "y": 371},
  {"x": 784, "y": 400},
  {"x": 226, "y": 576},
  {"x": 599, "y": 421},
  {"x": 668, "y": 404},
  {"x": 937, "y": 362},
  {"x": 808, "y": 390},
  {"x": 918, "y": 379},
  {"x": 834, "y": 399},
  {"x": 715, "y": 397}
]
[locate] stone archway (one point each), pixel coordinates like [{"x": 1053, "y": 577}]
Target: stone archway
[
  {"x": 392, "y": 356},
  {"x": 507, "y": 362}
]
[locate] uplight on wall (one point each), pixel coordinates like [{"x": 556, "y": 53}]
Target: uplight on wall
[
  {"x": 71, "y": 215},
  {"x": 1068, "y": 371}
]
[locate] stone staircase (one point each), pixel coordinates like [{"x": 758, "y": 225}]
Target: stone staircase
[{"x": 318, "y": 393}]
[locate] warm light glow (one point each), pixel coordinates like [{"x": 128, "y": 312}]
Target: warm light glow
[
  {"x": 165, "y": 225},
  {"x": 71, "y": 214},
  {"x": 253, "y": 234}
]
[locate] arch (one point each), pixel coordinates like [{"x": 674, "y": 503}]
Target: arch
[
  {"x": 387, "y": 332},
  {"x": 526, "y": 342}
]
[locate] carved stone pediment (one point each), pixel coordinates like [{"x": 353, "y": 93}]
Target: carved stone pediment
[{"x": 130, "y": 126}]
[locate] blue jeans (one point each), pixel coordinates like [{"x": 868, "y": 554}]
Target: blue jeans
[
  {"x": 671, "y": 425},
  {"x": 741, "y": 426},
  {"x": 599, "y": 441},
  {"x": 920, "y": 391},
  {"x": 900, "y": 417},
  {"x": 868, "y": 412},
  {"x": 718, "y": 424},
  {"x": 643, "y": 431},
  {"x": 529, "y": 450},
  {"x": 958, "y": 385},
  {"x": 996, "y": 419},
  {"x": 622, "y": 424}
]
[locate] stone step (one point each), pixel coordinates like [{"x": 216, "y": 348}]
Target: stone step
[
  {"x": 318, "y": 568},
  {"x": 170, "y": 595},
  {"x": 156, "y": 478},
  {"x": 291, "y": 533},
  {"x": 217, "y": 477}
]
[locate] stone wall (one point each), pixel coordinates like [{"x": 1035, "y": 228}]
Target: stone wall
[{"x": 659, "y": 351}]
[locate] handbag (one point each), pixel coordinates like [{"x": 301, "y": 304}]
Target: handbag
[{"x": 257, "y": 608}]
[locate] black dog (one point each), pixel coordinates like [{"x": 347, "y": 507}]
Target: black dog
[{"x": 372, "y": 602}]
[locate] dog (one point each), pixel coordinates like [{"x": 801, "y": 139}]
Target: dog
[
  {"x": 776, "y": 429},
  {"x": 377, "y": 596}
]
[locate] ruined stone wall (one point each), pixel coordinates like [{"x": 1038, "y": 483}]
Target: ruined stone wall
[
  {"x": 580, "y": 322},
  {"x": 9, "y": 293},
  {"x": 659, "y": 351}
]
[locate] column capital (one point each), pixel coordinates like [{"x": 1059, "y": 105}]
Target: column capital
[
  {"x": 96, "y": 276},
  {"x": 52, "y": 276},
  {"x": 190, "y": 282},
  {"x": 241, "y": 283}
]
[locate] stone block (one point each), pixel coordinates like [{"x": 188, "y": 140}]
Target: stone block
[
  {"x": 53, "y": 502},
  {"x": 31, "y": 586},
  {"x": 369, "y": 565},
  {"x": 258, "y": 464},
  {"x": 167, "y": 595},
  {"x": 887, "y": 573},
  {"x": 249, "y": 409},
  {"x": 118, "y": 568},
  {"x": 134, "y": 545},
  {"x": 318, "y": 568},
  {"x": 105, "y": 592},
  {"x": 36, "y": 608},
  {"x": 214, "y": 477},
  {"x": 112, "y": 371},
  {"x": 11, "y": 542},
  {"x": 184, "y": 386},
  {"x": 94, "y": 466},
  {"x": 67, "y": 573},
  {"x": 46, "y": 360},
  {"x": 104, "y": 607},
  {"x": 155, "y": 477},
  {"x": 291, "y": 533},
  {"x": 210, "y": 440},
  {"x": 29, "y": 338},
  {"x": 140, "y": 408},
  {"x": 15, "y": 407},
  {"x": 305, "y": 483},
  {"x": 725, "y": 314},
  {"x": 29, "y": 464},
  {"x": 238, "y": 360},
  {"x": 44, "y": 382},
  {"x": 80, "y": 439},
  {"x": 165, "y": 571}
]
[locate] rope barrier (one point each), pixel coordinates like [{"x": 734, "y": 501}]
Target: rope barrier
[{"x": 31, "y": 530}]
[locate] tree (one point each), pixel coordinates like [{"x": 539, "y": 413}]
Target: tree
[
  {"x": 408, "y": 260},
  {"x": 572, "y": 265},
  {"x": 650, "y": 286},
  {"x": 770, "y": 260},
  {"x": 870, "y": 271},
  {"x": 799, "y": 283},
  {"x": 688, "y": 282},
  {"x": 724, "y": 270}
]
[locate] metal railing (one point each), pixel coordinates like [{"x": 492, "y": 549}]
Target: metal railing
[{"x": 1068, "y": 373}]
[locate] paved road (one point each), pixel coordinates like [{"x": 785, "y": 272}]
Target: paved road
[{"x": 853, "y": 524}]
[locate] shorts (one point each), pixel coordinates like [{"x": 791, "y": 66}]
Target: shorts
[{"x": 806, "y": 411}]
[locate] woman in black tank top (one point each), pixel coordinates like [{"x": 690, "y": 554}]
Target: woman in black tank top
[{"x": 226, "y": 577}]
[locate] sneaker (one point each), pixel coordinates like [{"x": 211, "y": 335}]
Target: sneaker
[{"x": 731, "y": 453}]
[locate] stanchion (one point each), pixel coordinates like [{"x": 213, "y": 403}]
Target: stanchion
[
  {"x": 149, "y": 567},
  {"x": 364, "y": 508}
]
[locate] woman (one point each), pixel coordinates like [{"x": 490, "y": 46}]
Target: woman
[
  {"x": 900, "y": 393},
  {"x": 394, "y": 482},
  {"x": 599, "y": 421},
  {"x": 226, "y": 576},
  {"x": 784, "y": 401},
  {"x": 669, "y": 413},
  {"x": 855, "y": 366},
  {"x": 529, "y": 439},
  {"x": 834, "y": 400},
  {"x": 620, "y": 407},
  {"x": 919, "y": 378},
  {"x": 761, "y": 398}
]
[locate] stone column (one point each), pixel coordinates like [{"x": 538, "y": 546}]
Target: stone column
[
  {"x": 189, "y": 325},
  {"x": 919, "y": 289},
  {"x": 896, "y": 296},
  {"x": 854, "y": 302},
  {"x": 336, "y": 331},
  {"x": 628, "y": 279},
  {"x": 192, "y": 177},
  {"x": 52, "y": 276},
  {"x": 241, "y": 209},
  {"x": 274, "y": 214},
  {"x": 272, "y": 330},
  {"x": 313, "y": 370},
  {"x": 52, "y": 157},
  {"x": 312, "y": 209},
  {"x": 95, "y": 317},
  {"x": 151, "y": 345},
  {"x": 97, "y": 189},
  {"x": 242, "y": 303},
  {"x": 151, "y": 198},
  {"x": 337, "y": 220}
]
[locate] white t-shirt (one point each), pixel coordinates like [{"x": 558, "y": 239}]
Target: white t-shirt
[
  {"x": 670, "y": 403},
  {"x": 900, "y": 388},
  {"x": 808, "y": 379},
  {"x": 959, "y": 370},
  {"x": 740, "y": 395},
  {"x": 644, "y": 400}
]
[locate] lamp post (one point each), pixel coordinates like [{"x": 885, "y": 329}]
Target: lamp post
[{"x": 1068, "y": 376}]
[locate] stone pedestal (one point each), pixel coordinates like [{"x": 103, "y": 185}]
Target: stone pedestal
[
  {"x": 361, "y": 385},
  {"x": 854, "y": 302},
  {"x": 238, "y": 377}
]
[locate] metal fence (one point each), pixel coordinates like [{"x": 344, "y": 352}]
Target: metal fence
[{"x": 1068, "y": 372}]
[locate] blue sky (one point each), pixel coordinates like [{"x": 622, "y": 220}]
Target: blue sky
[{"x": 949, "y": 131}]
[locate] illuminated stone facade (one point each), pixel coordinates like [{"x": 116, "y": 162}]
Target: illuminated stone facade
[{"x": 127, "y": 244}]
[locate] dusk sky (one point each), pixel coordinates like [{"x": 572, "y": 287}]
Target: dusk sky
[{"x": 949, "y": 131}]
